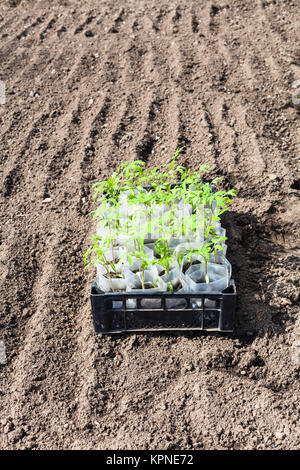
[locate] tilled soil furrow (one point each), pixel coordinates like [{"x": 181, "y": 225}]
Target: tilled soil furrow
[
  {"x": 16, "y": 172},
  {"x": 21, "y": 263},
  {"x": 54, "y": 325}
]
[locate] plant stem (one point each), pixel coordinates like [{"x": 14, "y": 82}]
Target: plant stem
[
  {"x": 109, "y": 276},
  {"x": 143, "y": 279},
  {"x": 112, "y": 251},
  {"x": 205, "y": 270},
  {"x": 168, "y": 273}
]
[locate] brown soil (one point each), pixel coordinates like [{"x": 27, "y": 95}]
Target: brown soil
[
  {"x": 188, "y": 265},
  {"x": 114, "y": 276},
  {"x": 89, "y": 84}
]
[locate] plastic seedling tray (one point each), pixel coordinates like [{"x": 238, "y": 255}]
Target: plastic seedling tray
[
  {"x": 205, "y": 311},
  {"x": 211, "y": 312}
]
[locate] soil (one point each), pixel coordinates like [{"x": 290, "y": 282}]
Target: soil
[
  {"x": 148, "y": 285},
  {"x": 114, "y": 276},
  {"x": 188, "y": 265},
  {"x": 89, "y": 84},
  {"x": 176, "y": 286}
]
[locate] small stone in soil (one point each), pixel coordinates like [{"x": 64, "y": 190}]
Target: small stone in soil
[
  {"x": 295, "y": 353},
  {"x": 2, "y": 353}
]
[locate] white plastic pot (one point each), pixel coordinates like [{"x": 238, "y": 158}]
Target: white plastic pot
[
  {"x": 105, "y": 285},
  {"x": 134, "y": 284}
]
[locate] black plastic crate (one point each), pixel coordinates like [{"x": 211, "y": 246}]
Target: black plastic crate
[{"x": 211, "y": 312}]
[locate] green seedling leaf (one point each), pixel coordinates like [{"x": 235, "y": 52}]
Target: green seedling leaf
[{"x": 128, "y": 179}]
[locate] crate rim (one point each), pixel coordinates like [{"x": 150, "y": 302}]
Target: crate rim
[{"x": 131, "y": 295}]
